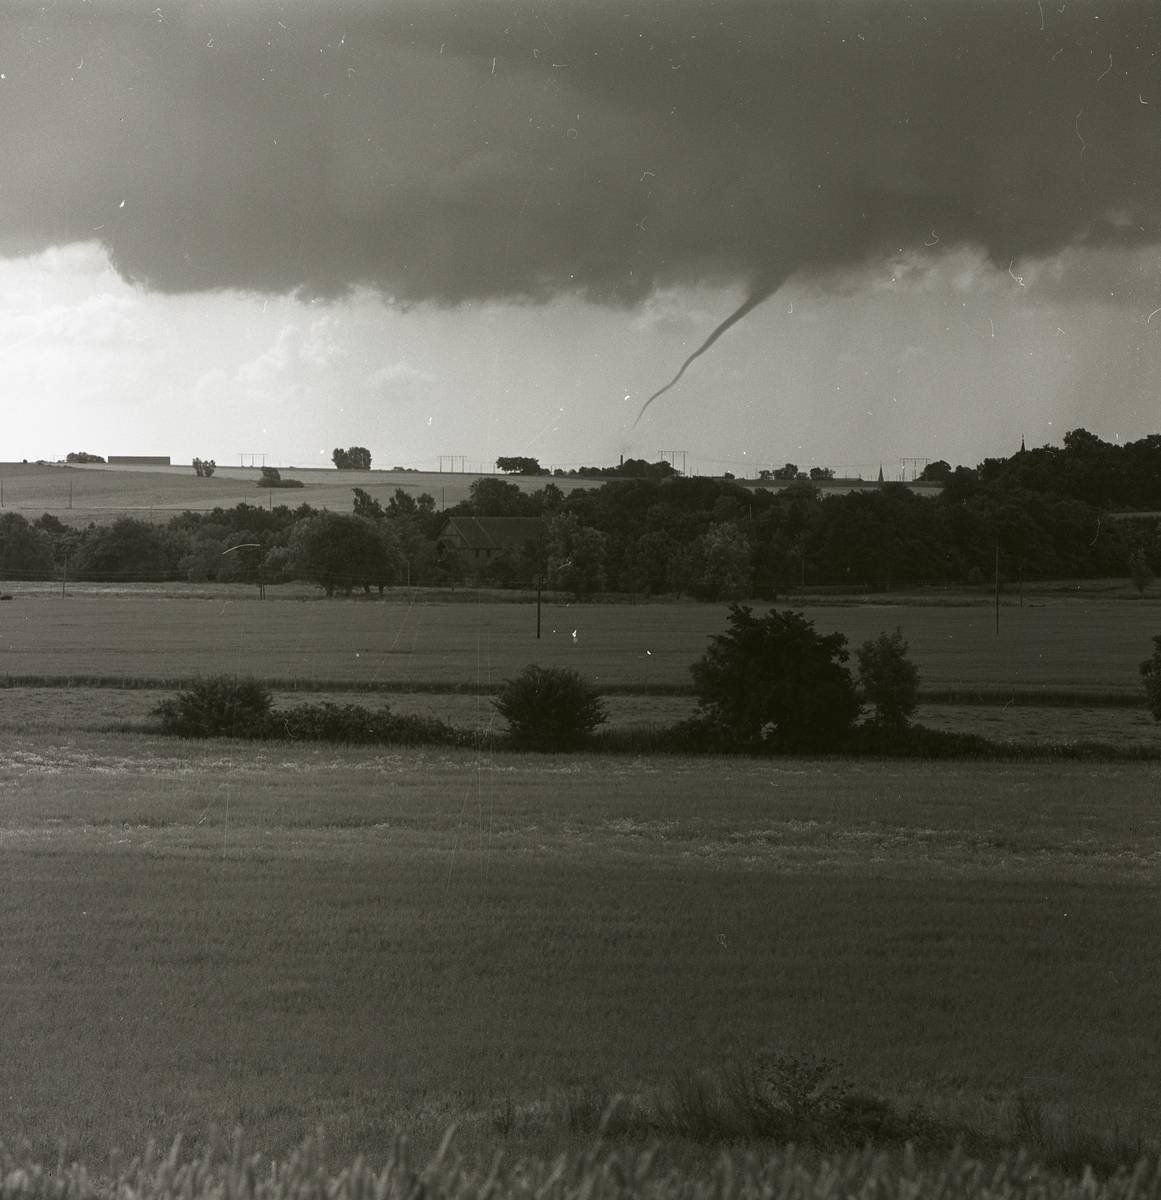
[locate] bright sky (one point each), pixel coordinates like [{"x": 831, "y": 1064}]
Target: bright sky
[{"x": 444, "y": 230}]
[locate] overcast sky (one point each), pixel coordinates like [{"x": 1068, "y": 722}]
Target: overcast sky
[{"x": 470, "y": 228}]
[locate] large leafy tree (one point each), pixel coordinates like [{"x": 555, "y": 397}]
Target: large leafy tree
[
  {"x": 340, "y": 552},
  {"x": 775, "y": 683}
]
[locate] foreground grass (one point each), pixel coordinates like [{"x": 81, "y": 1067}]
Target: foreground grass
[
  {"x": 287, "y": 935},
  {"x": 597, "y": 1173}
]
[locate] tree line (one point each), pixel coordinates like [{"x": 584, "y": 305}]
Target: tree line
[{"x": 642, "y": 535}]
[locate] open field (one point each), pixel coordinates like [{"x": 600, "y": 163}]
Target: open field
[
  {"x": 285, "y": 935},
  {"x": 84, "y": 492},
  {"x": 1076, "y": 647}
]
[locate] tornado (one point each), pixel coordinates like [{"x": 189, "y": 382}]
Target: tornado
[{"x": 762, "y": 289}]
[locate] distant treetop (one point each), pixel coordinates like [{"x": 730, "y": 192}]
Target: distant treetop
[{"x": 355, "y": 458}]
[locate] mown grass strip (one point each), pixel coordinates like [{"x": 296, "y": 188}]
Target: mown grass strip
[{"x": 1027, "y": 697}]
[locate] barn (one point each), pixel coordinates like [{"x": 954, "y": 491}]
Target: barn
[{"x": 479, "y": 539}]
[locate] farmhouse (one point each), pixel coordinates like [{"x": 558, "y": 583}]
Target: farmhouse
[{"x": 479, "y": 539}]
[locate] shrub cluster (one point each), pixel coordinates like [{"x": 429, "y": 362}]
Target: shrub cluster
[{"x": 222, "y": 706}]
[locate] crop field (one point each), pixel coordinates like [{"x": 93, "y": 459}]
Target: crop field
[
  {"x": 287, "y": 935},
  {"x": 1078, "y": 647},
  {"x": 80, "y": 493}
]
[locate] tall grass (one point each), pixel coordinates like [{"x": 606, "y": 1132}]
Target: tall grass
[{"x": 600, "y": 1172}]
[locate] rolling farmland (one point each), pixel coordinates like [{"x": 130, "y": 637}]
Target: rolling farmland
[{"x": 80, "y": 493}]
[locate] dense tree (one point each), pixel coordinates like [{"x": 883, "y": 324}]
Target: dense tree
[
  {"x": 25, "y": 550},
  {"x": 521, "y": 466},
  {"x": 126, "y": 550},
  {"x": 497, "y": 498},
  {"x": 775, "y": 683},
  {"x": 575, "y": 556},
  {"x": 355, "y": 458},
  {"x": 340, "y": 552},
  {"x": 718, "y": 565}
]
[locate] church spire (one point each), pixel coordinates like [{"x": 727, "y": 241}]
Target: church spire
[{"x": 880, "y": 472}]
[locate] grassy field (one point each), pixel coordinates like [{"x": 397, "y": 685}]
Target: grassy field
[
  {"x": 286, "y": 935},
  {"x": 1077, "y": 647}
]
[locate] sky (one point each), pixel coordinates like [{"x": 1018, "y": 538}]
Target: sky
[{"x": 864, "y": 232}]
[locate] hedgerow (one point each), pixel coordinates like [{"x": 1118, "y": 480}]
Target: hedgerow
[{"x": 222, "y": 706}]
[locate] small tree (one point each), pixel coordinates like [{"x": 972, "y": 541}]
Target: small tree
[
  {"x": 367, "y": 506},
  {"x": 1151, "y": 674},
  {"x": 889, "y": 679},
  {"x": 204, "y": 467},
  {"x": 550, "y": 708},
  {"x": 777, "y": 684},
  {"x": 1141, "y": 572}
]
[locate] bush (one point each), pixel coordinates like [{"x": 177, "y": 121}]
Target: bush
[
  {"x": 272, "y": 478},
  {"x": 220, "y": 706},
  {"x": 356, "y": 725},
  {"x": 889, "y": 679},
  {"x": 204, "y": 467},
  {"x": 1151, "y": 674},
  {"x": 550, "y": 708},
  {"x": 776, "y": 684}
]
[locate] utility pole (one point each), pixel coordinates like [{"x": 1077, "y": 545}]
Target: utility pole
[
  {"x": 997, "y": 589},
  {"x": 539, "y": 557}
]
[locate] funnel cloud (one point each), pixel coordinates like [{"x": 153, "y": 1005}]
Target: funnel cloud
[{"x": 449, "y": 153}]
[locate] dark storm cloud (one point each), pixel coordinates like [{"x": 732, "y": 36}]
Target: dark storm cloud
[{"x": 461, "y": 151}]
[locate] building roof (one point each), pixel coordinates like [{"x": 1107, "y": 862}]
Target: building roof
[{"x": 493, "y": 533}]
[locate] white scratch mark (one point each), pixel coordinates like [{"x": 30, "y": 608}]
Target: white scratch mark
[
  {"x": 1142, "y": 98},
  {"x": 1106, "y": 70},
  {"x": 1077, "y": 127},
  {"x": 934, "y": 235},
  {"x": 1152, "y": 315},
  {"x": 1018, "y": 278},
  {"x": 1041, "y": 7},
  {"x": 493, "y": 64}
]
